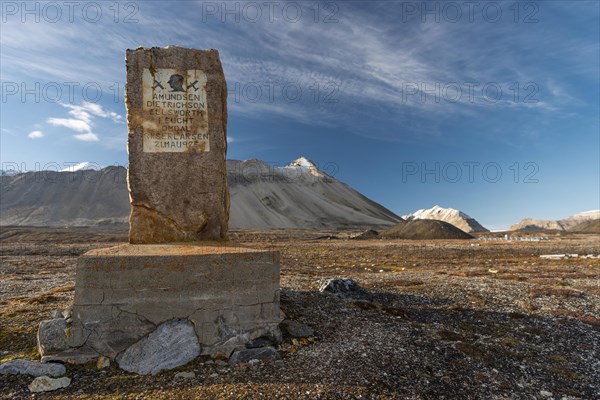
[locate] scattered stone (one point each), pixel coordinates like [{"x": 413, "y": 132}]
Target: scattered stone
[
  {"x": 545, "y": 393},
  {"x": 56, "y": 314},
  {"x": 345, "y": 288},
  {"x": 51, "y": 336},
  {"x": 33, "y": 368},
  {"x": 103, "y": 362},
  {"x": 368, "y": 234},
  {"x": 262, "y": 353},
  {"x": 47, "y": 384},
  {"x": 328, "y": 237},
  {"x": 172, "y": 344},
  {"x": 80, "y": 355},
  {"x": 185, "y": 375},
  {"x": 264, "y": 341},
  {"x": 296, "y": 329}
]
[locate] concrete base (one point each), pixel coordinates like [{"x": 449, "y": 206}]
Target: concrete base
[{"x": 122, "y": 293}]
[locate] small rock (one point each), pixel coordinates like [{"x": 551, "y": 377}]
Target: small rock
[
  {"x": 296, "y": 329},
  {"x": 345, "y": 288},
  {"x": 103, "y": 362},
  {"x": 51, "y": 336},
  {"x": 56, "y": 314},
  {"x": 221, "y": 363},
  {"x": 172, "y": 344},
  {"x": 185, "y": 375},
  {"x": 264, "y": 341},
  {"x": 33, "y": 368},
  {"x": 262, "y": 353},
  {"x": 47, "y": 384},
  {"x": 545, "y": 393}
]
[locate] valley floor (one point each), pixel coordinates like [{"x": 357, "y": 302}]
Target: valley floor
[{"x": 466, "y": 319}]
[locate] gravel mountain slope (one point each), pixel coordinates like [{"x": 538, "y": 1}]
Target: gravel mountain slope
[{"x": 298, "y": 195}]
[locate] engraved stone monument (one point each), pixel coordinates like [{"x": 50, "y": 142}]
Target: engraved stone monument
[
  {"x": 177, "y": 113},
  {"x": 177, "y": 289}
]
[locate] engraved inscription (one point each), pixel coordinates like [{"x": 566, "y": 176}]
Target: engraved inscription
[{"x": 175, "y": 111}]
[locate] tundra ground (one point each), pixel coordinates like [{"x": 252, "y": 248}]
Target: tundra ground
[{"x": 461, "y": 319}]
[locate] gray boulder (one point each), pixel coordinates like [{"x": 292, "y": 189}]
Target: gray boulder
[
  {"x": 261, "y": 353},
  {"x": 51, "y": 336},
  {"x": 47, "y": 384},
  {"x": 172, "y": 344},
  {"x": 296, "y": 329},
  {"x": 33, "y": 368}
]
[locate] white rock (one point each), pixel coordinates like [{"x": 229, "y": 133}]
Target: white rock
[
  {"x": 545, "y": 393},
  {"x": 172, "y": 344},
  {"x": 33, "y": 368},
  {"x": 47, "y": 384}
]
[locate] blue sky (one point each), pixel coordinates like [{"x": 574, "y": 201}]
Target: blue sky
[{"x": 489, "y": 107}]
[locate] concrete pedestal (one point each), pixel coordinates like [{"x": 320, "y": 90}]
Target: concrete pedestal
[{"x": 122, "y": 293}]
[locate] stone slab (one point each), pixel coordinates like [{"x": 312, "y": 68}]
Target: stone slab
[
  {"x": 124, "y": 292},
  {"x": 176, "y": 101}
]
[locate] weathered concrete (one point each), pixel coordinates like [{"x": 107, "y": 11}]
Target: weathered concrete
[
  {"x": 123, "y": 293},
  {"x": 176, "y": 102}
]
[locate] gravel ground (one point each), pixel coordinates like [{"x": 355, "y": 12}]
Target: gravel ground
[{"x": 465, "y": 319}]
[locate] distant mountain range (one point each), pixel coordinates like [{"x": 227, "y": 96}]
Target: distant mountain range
[
  {"x": 455, "y": 217},
  {"x": 298, "y": 195},
  {"x": 565, "y": 224}
]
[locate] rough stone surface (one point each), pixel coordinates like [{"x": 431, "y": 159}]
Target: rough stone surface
[
  {"x": 345, "y": 288},
  {"x": 172, "y": 344},
  {"x": 262, "y": 353},
  {"x": 33, "y": 368},
  {"x": 47, "y": 384},
  {"x": 177, "y": 193},
  {"x": 122, "y": 293},
  {"x": 51, "y": 336},
  {"x": 296, "y": 329},
  {"x": 79, "y": 355},
  {"x": 185, "y": 375}
]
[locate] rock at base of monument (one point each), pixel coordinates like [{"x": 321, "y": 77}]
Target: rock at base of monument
[
  {"x": 51, "y": 336},
  {"x": 171, "y": 345},
  {"x": 79, "y": 355},
  {"x": 47, "y": 384},
  {"x": 33, "y": 368},
  {"x": 246, "y": 355}
]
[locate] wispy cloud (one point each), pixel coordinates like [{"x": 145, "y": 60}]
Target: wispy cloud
[
  {"x": 35, "y": 135},
  {"x": 82, "y": 121},
  {"x": 87, "y": 137},
  {"x": 78, "y": 125}
]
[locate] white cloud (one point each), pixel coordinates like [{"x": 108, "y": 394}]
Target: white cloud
[
  {"x": 230, "y": 139},
  {"x": 83, "y": 118},
  {"x": 78, "y": 125},
  {"x": 87, "y": 110},
  {"x": 35, "y": 135},
  {"x": 87, "y": 137}
]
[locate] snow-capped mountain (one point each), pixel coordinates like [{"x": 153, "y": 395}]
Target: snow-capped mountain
[
  {"x": 450, "y": 215},
  {"x": 529, "y": 224}
]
